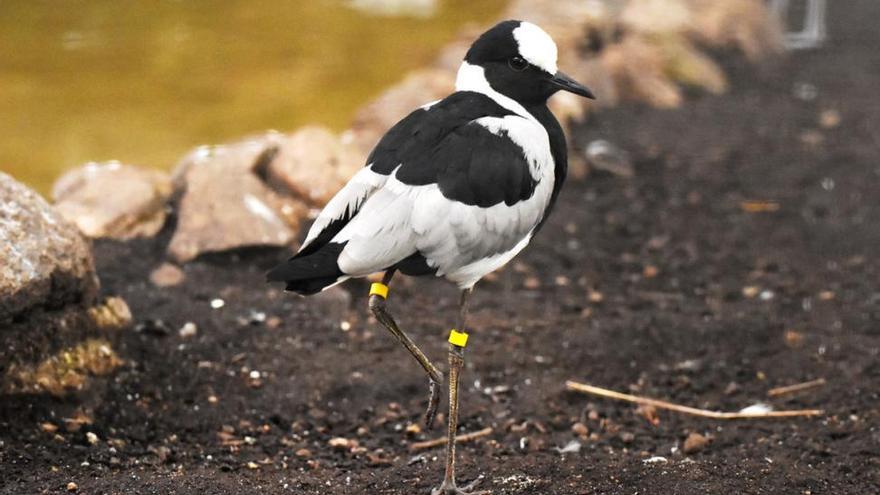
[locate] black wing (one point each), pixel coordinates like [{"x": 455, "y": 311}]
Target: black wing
[{"x": 442, "y": 145}]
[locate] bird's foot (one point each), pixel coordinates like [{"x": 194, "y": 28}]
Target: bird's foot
[
  {"x": 433, "y": 402},
  {"x": 449, "y": 488}
]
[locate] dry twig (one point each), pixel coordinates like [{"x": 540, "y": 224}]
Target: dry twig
[
  {"x": 437, "y": 442},
  {"x": 589, "y": 389},
  {"x": 797, "y": 387}
]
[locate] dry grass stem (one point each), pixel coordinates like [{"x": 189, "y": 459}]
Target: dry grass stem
[
  {"x": 437, "y": 442},
  {"x": 589, "y": 389},
  {"x": 797, "y": 387}
]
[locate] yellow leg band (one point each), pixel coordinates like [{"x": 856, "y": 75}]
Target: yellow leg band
[
  {"x": 379, "y": 289},
  {"x": 458, "y": 338}
]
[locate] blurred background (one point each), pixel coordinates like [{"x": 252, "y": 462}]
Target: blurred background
[{"x": 143, "y": 81}]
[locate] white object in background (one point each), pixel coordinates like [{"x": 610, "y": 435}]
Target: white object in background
[
  {"x": 413, "y": 8},
  {"x": 756, "y": 409},
  {"x": 814, "y": 32}
]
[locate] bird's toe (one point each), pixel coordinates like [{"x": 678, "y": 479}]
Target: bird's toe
[{"x": 451, "y": 489}]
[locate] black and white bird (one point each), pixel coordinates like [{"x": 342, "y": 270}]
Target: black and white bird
[{"x": 456, "y": 189}]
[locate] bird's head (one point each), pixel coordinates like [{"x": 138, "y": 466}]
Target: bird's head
[{"x": 518, "y": 60}]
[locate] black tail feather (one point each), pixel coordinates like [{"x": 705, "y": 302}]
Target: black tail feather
[{"x": 310, "y": 274}]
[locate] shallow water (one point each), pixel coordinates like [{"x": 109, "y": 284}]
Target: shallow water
[{"x": 142, "y": 81}]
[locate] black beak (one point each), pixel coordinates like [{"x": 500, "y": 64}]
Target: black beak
[{"x": 566, "y": 83}]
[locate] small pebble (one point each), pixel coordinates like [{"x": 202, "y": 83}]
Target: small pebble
[
  {"x": 572, "y": 447},
  {"x": 829, "y": 119},
  {"x": 49, "y": 427},
  {"x": 189, "y": 329},
  {"x": 256, "y": 317},
  {"x": 217, "y": 303},
  {"x": 827, "y": 183},
  {"x": 580, "y": 429},
  {"x": 805, "y": 91},
  {"x": 812, "y": 138},
  {"x": 694, "y": 443},
  {"x": 341, "y": 443},
  {"x": 793, "y": 338},
  {"x": 167, "y": 275},
  {"x": 649, "y": 412},
  {"x": 72, "y": 487},
  {"x": 532, "y": 283},
  {"x": 605, "y": 156},
  {"x": 750, "y": 292},
  {"x": 304, "y": 453},
  {"x": 91, "y": 438}
]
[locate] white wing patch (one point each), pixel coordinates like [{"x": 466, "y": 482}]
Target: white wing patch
[
  {"x": 348, "y": 199},
  {"x": 380, "y": 235},
  {"x": 530, "y": 136}
]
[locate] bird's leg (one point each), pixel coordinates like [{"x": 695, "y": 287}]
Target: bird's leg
[
  {"x": 457, "y": 342},
  {"x": 378, "y": 296}
]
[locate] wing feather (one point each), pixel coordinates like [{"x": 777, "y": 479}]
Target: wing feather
[{"x": 341, "y": 209}]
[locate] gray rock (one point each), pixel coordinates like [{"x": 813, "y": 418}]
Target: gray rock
[
  {"x": 226, "y": 205},
  {"x": 53, "y": 335},
  {"x": 607, "y": 157},
  {"x": 313, "y": 164},
  {"x": 167, "y": 275},
  {"x": 113, "y": 200},
  {"x": 46, "y": 261},
  {"x": 239, "y": 157}
]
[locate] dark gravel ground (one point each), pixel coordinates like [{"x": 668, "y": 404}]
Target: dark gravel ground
[{"x": 662, "y": 285}]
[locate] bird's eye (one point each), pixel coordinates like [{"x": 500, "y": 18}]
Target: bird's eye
[{"x": 518, "y": 64}]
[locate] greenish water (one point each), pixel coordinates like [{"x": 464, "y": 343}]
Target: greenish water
[{"x": 142, "y": 81}]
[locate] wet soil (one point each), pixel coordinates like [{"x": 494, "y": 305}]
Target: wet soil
[{"x": 742, "y": 256}]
